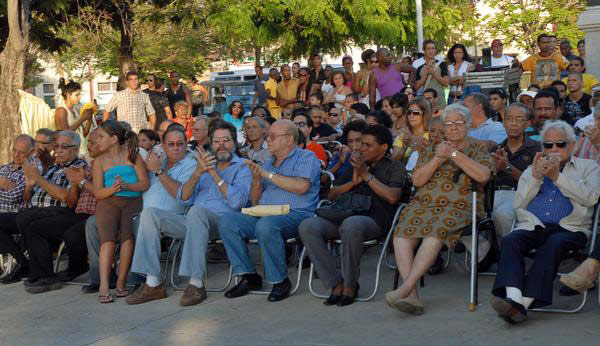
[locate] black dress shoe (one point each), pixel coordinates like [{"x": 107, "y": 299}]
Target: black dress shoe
[
  {"x": 44, "y": 285},
  {"x": 248, "y": 283},
  {"x": 16, "y": 275},
  {"x": 509, "y": 310},
  {"x": 67, "y": 275},
  {"x": 333, "y": 299},
  {"x": 347, "y": 300},
  {"x": 280, "y": 291}
]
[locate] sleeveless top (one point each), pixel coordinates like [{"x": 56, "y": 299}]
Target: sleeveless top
[
  {"x": 127, "y": 174},
  {"x": 175, "y": 96},
  {"x": 72, "y": 117},
  {"x": 453, "y": 73},
  {"x": 389, "y": 82}
]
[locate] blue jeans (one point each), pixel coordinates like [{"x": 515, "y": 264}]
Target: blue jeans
[{"x": 269, "y": 231}]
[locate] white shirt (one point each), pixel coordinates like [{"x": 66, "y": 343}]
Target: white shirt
[
  {"x": 585, "y": 121},
  {"x": 461, "y": 71},
  {"x": 417, "y": 63},
  {"x": 504, "y": 60}
]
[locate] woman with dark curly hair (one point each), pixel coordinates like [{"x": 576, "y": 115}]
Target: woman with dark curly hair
[{"x": 460, "y": 63}]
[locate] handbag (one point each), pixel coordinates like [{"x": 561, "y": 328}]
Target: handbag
[{"x": 346, "y": 205}]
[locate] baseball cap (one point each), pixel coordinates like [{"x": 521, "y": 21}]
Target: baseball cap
[{"x": 526, "y": 93}]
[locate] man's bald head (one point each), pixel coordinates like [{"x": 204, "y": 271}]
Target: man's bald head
[
  {"x": 287, "y": 126},
  {"x": 25, "y": 139}
]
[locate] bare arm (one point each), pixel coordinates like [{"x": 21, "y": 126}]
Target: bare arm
[
  {"x": 168, "y": 113},
  {"x": 472, "y": 168},
  {"x": 422, "y": 174},
  {"x": 101, "y": 192},
  {"x": 188, "y": 99},
  {"x": 152, "y": 118},
  {"x": 340, "y": 190},
  {"x": 142, "y": 174},
  {"x": 412, "y": 72}
]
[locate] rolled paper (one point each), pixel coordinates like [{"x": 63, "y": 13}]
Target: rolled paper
[{"x": 267, "y": 210}]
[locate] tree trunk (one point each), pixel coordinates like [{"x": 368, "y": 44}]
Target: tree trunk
[
  {"x": 125, "y": 56},
  {"x": 12, "y": 74},
  {"x": 257, "y": 55}
]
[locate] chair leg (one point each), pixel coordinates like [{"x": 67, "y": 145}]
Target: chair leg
[
  {"x": 163, "y": 277},
  {"x": 224, "y": 287},
  {"x": 566, "y": 311},
  {"x": 174, "y": 264},
  {"x": 61, "y": 248},
  {"x": 299, "y": 275},
  {"x": 310, "y": 283}
]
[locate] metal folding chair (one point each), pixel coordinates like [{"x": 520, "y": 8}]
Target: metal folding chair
[{"x": 382, "y": 256}]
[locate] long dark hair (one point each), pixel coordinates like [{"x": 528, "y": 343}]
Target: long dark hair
[
  {"x": 68, "y": 88},
  {"x": 124, "y": 136},
  {"x": 466, "y": 56}
]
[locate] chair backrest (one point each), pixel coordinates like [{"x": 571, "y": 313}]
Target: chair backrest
[{"x": 408, "y": 190}]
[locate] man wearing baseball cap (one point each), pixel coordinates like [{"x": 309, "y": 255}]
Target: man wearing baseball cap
[{"x": 499, "y": 59}]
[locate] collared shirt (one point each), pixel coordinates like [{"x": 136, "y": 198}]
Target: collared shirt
[
  {"x": 287, "y": 91},
  {"x": 158, "y": 197},
  {"x": 489, "y": 130},
  {"x": 12, "y": 200},
  {"x": 550, "y": 205},
  {"x": 133, "y": 107},
  {"x": 56, "y": 176},
  {"x": 520, "y": 159},
  {"x": 579, "y": 181},
  {"x": 271, "y": 90},
  {"x": 207, "y": 194},
  {"x": 261, "y": 155},
  {"x": 586, "y": 150},
  {"x": 298, "y": 163},
  {"x": 86, "y": 204}
]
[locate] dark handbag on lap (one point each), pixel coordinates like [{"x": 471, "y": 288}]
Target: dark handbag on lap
[{"x": 346, "y": 205}]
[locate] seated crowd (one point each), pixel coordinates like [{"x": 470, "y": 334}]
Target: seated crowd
[{"x": 258, "y": 176}]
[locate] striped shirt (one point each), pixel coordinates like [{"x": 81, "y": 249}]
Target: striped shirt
[
  {"x": 299, "y": 163},
  {"x": 133, "y": 107},
  {"x": 56, "y": 176},
  {"x": 86, "y": 204},
  {"x": 12, "y": 200},
  {"x": 586, "y": 150}
]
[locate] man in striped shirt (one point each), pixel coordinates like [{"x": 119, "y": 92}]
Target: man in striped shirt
[
  {"x": 12, "y": 185},
  {"x": 290, "y": 178}
]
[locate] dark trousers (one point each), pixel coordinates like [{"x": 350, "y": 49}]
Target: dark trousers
[
  {"x": 43, "y": 229},
  {"x": 551, "y": 244},
  {"x": 8, "y": 227}
]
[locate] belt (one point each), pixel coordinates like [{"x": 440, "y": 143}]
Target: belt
[{"x": 505, "y": 188}]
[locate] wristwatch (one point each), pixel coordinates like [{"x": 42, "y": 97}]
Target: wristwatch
[
  {"x": 454, "y": 153},
  {"x": 159, "y": 172},
  {"x": 371, "y": 176},
  {"x": 271, "y": 174},
  {"x": 508, "y": 169},
  {"x": 221, "y": 183},
  {"x": 82, "y": 183}
]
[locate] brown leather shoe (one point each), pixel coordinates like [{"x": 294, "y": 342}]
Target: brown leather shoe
[
  {"x": 193, "y": 295},
  {"x": 146, "y": 293}
]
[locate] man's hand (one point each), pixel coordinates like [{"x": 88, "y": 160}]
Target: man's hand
[
  {"x": 31, "y": 174},
  {"x": 501, "y": 159},
  {"x": 152, "y": 163},
  {"x": 75, "y": 175},
  {"x": 550, "y": 167},
  {"x": 45, "y": 157},
  {"x": 344, "y": 154},
  {"x": 204, "y": 161},
  {"x": 538, "y": 159},
  {"x": 256, "y": 169},
  {"x": 6, "y": 184},
  {"x": 360, "y": 166},
  {"x": 593, "y": 133}
]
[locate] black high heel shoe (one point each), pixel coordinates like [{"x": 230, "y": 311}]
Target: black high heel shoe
[
  {"x": 333, "y": 299},
  {"x": 347, "y": 300}
]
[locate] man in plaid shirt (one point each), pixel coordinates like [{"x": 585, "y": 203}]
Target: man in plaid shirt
[
  {"x": 52, "y": 199},
  {"x": 133, "y": 106},
  {"x": 12, "y": 185}
]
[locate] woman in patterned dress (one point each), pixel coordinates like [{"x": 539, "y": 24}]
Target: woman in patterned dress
[{"x": 441, "y": 208}]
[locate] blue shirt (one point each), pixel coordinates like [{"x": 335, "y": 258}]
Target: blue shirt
[
  {"x": 489, "y": 130},
  {"x": 207, "y": 194},
  {"x": 343, "y": 168},
  {"x": 158, "y": 197},
  {"x": 237, "y": 122},
  {"x": 299, "y": 163},
  {"x": 550, "y": 205}
]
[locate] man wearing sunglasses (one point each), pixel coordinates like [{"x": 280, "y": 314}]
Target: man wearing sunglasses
[{"x": 554, "y": 205}]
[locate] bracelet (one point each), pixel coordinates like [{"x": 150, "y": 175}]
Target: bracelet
[
  {"x": 221, "y": 183},
  {"x": 82, "y": 183}
]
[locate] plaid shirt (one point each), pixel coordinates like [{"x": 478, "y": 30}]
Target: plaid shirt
[
  {"x": 132, "y": 107},
  {"x": 87, "y": 202},
  {"x": 56, "y": 176},
  {"x": 12, "y": 200}
]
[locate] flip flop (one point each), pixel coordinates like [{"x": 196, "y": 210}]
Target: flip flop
[
  {"x": 121, "y": 293},
  {"x": 105, "y": 298}
]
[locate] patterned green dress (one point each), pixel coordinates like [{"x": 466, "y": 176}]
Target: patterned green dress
[{"x": 442, "y": 208}]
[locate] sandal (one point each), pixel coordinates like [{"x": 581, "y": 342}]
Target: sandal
[
  {"x": 577, "y": 282},
  {"x": 105, "y": 298},
  {"x": 121, "y": 293}
]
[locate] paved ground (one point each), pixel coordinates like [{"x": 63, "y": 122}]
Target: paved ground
[{"x": 68, "y": 317}]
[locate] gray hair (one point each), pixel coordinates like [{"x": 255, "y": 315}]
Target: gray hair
[
  {"x": 202, "y": 118},
  {"x": 560, "y": 125},
  {"x": 25, "y": 138},
  {"x": 260, "y": 121},
  {"x": 521, "y": 107},
  {"x": 45, "y": 132},
  {"x": 74, "y": 136},
  {"x": 460, "y": 109},
  {"x": 484, "y": 101}
]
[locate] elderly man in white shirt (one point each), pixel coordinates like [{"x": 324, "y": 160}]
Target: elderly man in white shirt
[{"x": 554, "y": 205}]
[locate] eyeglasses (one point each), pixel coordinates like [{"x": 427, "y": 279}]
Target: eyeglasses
[
  {"x": 44, "y": 143},
  {"x": 237, "y": 106},
  {"x": 274, "y": 136},
  {"x": 333, "y": 114},
  {"x": 458, "y": 123},
  {"x": 287, "y": 114},
  {"x": 549, "y": 145},
  {"x": 415, "y": 113},
  {"x": 175, "y": 144},
  {"x": 222, "y": 140},
  {"x": 64, "y": 146},
  {"x": 300, "y": 124}
]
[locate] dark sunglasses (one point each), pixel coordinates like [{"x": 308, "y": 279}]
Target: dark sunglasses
[
  {"x": 414, "y": 113},
  {"x": 333, "y": 114},
  {"x": 301, "y": 124},
  {"x": 549, "y": 145},
  {"x": 150, "y": 79}
]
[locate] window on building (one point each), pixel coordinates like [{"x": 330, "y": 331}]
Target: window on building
[{"x": 48, "y": 88}]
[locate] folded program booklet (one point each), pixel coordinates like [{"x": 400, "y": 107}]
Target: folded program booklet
[{"x": 267, "y": 210}]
